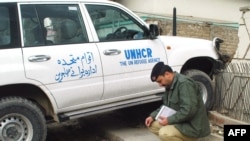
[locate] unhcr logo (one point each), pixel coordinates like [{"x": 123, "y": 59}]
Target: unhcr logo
[
  {"x": 138, "y": 56},
  {"x": 138, "y": 53}
]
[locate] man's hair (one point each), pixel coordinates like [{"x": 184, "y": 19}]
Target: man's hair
[
  {"x": 159, "y": 69},
  {"x": 166, "y": 68}
]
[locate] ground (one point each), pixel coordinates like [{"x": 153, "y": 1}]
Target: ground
[{"x": 91, "y": 128}]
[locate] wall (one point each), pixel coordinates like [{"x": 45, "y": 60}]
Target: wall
[
  {"x": 199, "y": 29},
  {"x": 223, "y": 10},
  {"x": 206, "y": 19}
]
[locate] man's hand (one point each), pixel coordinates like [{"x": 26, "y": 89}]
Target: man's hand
[
  {"x": 163, "y": 121},
  {"x": 148, "y": 121}
]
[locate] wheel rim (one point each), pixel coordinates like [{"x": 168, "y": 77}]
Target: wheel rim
[
  {"x": 204, "y": 91},
  {"x": 15, "y": 127}
]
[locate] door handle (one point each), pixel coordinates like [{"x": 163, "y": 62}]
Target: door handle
[
  {"x": 111, "y": 52},
  {"x": 39, "y": 58}
]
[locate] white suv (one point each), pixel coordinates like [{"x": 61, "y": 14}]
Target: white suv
[{"x": 65, "y": 59}]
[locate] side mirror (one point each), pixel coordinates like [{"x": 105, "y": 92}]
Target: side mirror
[{"x": 153, "y": 31}]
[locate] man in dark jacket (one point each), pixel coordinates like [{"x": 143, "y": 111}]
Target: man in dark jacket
[{"x": 190, "y": 121}]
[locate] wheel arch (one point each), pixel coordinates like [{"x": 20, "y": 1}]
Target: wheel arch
[
  {"x": 32, "y": 93},
  {"x": 197, "y": 63}
]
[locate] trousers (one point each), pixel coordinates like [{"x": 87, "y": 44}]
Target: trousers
[{"x": 168, "y": 133}]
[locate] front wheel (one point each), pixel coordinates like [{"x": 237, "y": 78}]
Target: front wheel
[
  {"x": 205, "y": 84},
  {"x": 21, "y": 120}
]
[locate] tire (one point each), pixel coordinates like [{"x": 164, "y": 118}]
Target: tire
[
  {"x": 205, "y": 84},
  {"x": 21, "y": 120}
]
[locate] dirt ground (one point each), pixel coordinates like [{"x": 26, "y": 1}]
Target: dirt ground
[
  {"x": 90, "y": 128},
  {"x": 72, "y": 131}
]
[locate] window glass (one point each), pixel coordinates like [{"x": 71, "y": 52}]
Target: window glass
[
  {"x": 9, "y": 31},
  {"x": 52, "y": 24},
  {"x": 114, "y": 24},
  {"x": 5, "y": 26}
]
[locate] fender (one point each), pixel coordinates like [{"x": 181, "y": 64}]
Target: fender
[{"x": 181, "y": 49}]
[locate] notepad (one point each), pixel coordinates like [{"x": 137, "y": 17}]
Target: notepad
[{"x": 165, "y": 111}]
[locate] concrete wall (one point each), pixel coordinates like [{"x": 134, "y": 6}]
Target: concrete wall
[{"x": 224, "y": 10}]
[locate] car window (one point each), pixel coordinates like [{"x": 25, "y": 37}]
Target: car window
[
  {"x": 52, "y": 24},
  {"x": 112, "y": 24},
  {"x": 8, "y": 26}
]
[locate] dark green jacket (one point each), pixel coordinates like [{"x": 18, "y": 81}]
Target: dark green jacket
[{"x": 185, "y": 97}]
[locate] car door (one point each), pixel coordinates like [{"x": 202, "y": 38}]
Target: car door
[
  {"x": 58, "y": 55},
  {"x": 127, "y": 53}
]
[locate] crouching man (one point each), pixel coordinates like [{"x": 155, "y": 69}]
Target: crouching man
[{"x": 182, "y": 94}]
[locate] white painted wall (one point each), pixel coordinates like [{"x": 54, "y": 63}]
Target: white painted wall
[{"x": 225, "y": 10}]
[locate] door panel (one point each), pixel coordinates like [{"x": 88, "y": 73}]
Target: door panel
[
  {"x": 57, "y": 53},
  {"x": 127, "y": 53},
  {"x": 128, "y": 73}
]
